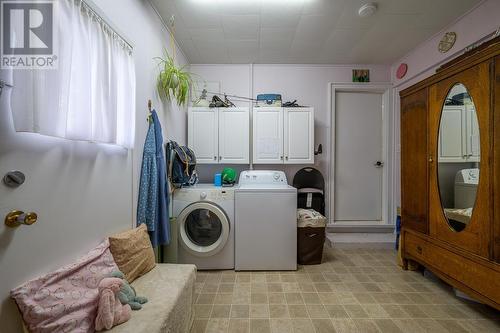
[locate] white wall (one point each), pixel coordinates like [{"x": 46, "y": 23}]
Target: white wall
[
  {"x": 81, "y": 191},
  {"x": 309, "y": 84},
  {"x": 425, "y": 58}
]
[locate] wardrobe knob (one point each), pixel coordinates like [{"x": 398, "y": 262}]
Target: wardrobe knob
[{"x": 431, "y": 159}]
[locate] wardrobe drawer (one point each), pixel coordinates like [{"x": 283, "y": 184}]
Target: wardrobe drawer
[
  {"x": 481, "y": 278},
  {"x": 416, "y": 246}
]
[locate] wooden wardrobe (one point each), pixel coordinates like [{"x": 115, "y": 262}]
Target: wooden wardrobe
[{"x": 450, "y": 173}]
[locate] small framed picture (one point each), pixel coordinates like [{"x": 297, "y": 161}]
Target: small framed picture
[{"x": 360, "y": 75}]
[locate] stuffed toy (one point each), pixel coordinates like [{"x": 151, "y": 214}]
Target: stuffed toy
[
  {"x": 127, "y": 294},
  {"x": 110, "y": 311}
]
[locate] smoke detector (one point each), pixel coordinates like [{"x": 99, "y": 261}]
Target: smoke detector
[{"x": 367, "y": 9}]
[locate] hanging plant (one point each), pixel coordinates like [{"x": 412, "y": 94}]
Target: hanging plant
[{"x": 173, "y": 82}]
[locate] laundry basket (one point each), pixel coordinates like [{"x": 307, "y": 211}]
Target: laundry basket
[{"x": 310, "y": 236}]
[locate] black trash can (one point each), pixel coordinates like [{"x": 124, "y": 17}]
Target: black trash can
[{"x": 311, "y": 227}]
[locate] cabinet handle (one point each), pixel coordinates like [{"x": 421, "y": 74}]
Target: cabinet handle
[
  {"x": 286, "y": 158},
  {"x": 220, "y": 158},
  {"x": 419, "y": 249},
  {"x": 431, "y": 159},
  {"x": 215, "y": 158},
  {"x": 281, "y": 158}
]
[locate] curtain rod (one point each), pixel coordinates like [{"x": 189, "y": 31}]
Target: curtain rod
[{"x": 95, "y": 10}]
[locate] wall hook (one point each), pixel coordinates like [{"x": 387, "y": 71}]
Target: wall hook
[{"x": 320, "y": 150}]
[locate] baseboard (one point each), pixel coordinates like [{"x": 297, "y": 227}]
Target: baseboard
[{"x": 360, "y": 228}]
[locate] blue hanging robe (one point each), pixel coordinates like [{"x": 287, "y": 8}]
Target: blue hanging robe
[{"x": 152, "y": 207}]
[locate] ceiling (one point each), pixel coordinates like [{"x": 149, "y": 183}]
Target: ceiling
[{"x": 305, "y": 31}]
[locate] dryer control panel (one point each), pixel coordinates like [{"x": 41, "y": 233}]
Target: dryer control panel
[
  {"x": 204, "y": 193},
  {"x": 256, "y": 177}
]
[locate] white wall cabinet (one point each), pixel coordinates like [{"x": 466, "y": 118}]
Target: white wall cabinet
[
  {"x": 219, "y": 135},
  {"x": 298, "y": 135},
  {"x": 283, "y": 135},
  {"x": 234, "y": 135},
  {"x": 459, "y": 135}
]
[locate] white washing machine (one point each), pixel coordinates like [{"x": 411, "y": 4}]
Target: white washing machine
[
  {"x": 466, "y": 181},
  {"x": 205, "y": 215},
  {"x": 266, "y": 222}
]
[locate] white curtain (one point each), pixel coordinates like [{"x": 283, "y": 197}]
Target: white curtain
[{"x": 91, "y": 96}]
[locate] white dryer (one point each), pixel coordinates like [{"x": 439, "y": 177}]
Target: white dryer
[
  {"x": 266, "y": 222},
  {"x": 205, "y": 215}
]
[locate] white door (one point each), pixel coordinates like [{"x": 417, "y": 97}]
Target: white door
[
  {"x": 451, "y": 135},
  {"x": 358, "y": 177},
  {"x": 299, "y": 135},
  {"x": 267, "y": 135},
  {"x": 234, "y": 135},
  {"x": 203, "y": 134}
]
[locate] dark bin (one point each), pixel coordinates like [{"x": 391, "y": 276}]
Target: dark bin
[
  {"x": 310, "y": 242},
  {"x": 311, "y": 227}
]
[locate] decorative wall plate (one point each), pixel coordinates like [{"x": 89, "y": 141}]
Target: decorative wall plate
[
  {"x": 401, "y": 71},
  {"x": 447, "y": 41}
]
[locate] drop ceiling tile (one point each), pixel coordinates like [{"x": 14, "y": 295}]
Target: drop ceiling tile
[
  {"x": 210, "y": 34},
  {"x": 278, "y": 20},
  {"x": 323, "y": 7},
  {"x": 243, "y": 50},
  {"x": 274, "y": 57},
  {"x": 212, "y": 51},
  {"x": 317, "y": 27},
  {"x": 235, "y": 7},
  {"x": 195, "y": 16},
  {"x": 342, "y": 41},
  {"x": 275, "y": 34},
  {"x": 241, "y": 26},
  {"x": 284, "y": 7}
]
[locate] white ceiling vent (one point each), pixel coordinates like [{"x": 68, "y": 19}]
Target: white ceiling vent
[{"x": 367, "y": 9}]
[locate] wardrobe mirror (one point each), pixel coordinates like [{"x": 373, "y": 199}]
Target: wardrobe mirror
[{"x": 458, "y": 157}]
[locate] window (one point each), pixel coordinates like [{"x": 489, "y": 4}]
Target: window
[{"x": 90, "y": 95}]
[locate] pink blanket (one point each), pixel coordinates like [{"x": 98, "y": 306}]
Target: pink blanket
[{"x": 65, "y": 300}]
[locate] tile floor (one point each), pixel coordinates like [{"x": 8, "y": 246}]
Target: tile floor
[{"x": 353, "y": 290}]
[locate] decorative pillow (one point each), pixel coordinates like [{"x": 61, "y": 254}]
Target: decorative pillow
[
  {"x": 133, "y": 252},
  {"x": 65, "y": 300}
]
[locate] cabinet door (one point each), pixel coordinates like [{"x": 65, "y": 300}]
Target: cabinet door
[
  {"x": 299, "y": 135},
  {"x": 234, "y": 135},
  {"x": 414, "y": 174},
  {"x": 203, "y": 134},
  {"x": 267, "y": 135},
  {"x": 453, "y": 141},
  {"x": 472, "y": 136}
]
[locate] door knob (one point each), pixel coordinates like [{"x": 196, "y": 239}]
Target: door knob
[
  {"x": 379, "y": 164},
  {"x": 15, "y": 218}
]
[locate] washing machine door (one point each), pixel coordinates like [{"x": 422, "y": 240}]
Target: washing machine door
[{"x": 203, "y": 229}]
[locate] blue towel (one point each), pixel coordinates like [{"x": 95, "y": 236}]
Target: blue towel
[{"x": 152, "y": 207}]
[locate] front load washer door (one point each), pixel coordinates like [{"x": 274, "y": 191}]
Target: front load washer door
[{"x": 203, "y": 229}]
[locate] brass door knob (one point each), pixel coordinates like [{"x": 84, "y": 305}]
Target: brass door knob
[
  {"x": 431, "y": 159},
  {"x": 15, "y": 218}
]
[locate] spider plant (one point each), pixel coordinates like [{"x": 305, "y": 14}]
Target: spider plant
[{"x": 173, "y": 82}]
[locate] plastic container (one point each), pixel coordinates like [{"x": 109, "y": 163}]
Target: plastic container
[
  {"x": 311, "y": 227},
  {"x": 218, "y": 179}
]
